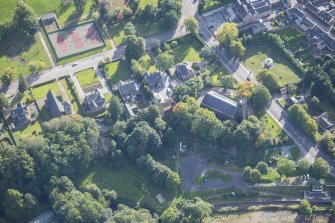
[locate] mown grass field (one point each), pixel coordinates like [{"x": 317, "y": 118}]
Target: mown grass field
[
  {"x": 65, "y": 12},
  {"x": 116, "y": 71},
  {"x": 132, "y": 185},
  {"x": 117, "y": 34},
  {"x": 148, "y": 63},
  {"x": 294, "y": 41},
  {"x": 18, "y": 51},
  {"x": 271, "y": 127},
  {"x": 6, "y": 9},
  {"x": 214, "y": 4},
  {"x": 41, "y": 91},
  {"x": 72, "y": 97},
  {"x": 29, "y": 131},
  {"x": 254, "y": 60},
  {"x": 188, "y": 50},
  {"x": 87, "y": 78}
]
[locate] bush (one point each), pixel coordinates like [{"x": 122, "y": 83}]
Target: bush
[{"x": 159, "y": 173}]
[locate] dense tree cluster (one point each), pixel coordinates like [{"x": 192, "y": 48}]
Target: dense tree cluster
[
  {"x": 287, "y": 167},
  {"x": 260, "y": 99},
  {"x": 227, "y": 35},
  {"x": 268, "y": 79},
  {"x": 159, "y": 173},
  {"x": 187, "y": 211},
  {"x": 141, "y": 140},
  {"x": 191, "y": 87},
  {"x": 170, "y": 12},
  {"x": 298, "y": 114},
  {"x": 135, "y": 47},
  {"x": 322, "y": 80},
  {"x": 23, "y": 19}
]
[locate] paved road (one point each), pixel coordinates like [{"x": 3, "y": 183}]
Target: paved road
[
  {"x": 240, "y": 73},
  {"x": 194, "y": 166},
  {"x": 306, "y": 145},
  {"x": 267, "y": 202}
]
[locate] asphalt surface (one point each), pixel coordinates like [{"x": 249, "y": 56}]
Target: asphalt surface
[
  {"x": 240, "y": 73},
  {"x": 194, "y": 166}
]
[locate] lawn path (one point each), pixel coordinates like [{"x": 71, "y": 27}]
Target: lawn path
[
  {"x": 40, "y": 36},
  {"x": 105, "y": 87},
  {"x": 78, "y": 87},
  {"x": 65, "y": 95},
  {"x": 109, "y": 36}
]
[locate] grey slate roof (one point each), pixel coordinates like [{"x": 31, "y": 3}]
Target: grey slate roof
[
  {"x": 153, "y": 79},
  {"x": 129, "y": 88},
  {"x": 326, "y": 17},
  {"x": 184, "y": 71},
  {"x": 319, "y": 3},
  {"x": 295, "y": 11},
  {"x": 312, "y": 8},
  {"x": 48, "y": 16},
  {"x": 220, "y": 104},
  {"x": 19, "y": 115},
  {"x": 55, "y": 105},
  {"x": 95, "y": 100}
]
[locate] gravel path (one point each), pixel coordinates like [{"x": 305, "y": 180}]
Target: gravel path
[{"x": 196, "y": 165}]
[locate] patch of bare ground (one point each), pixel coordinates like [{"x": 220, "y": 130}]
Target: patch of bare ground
[
  {"x": 92, "y": 87},
  {"x": 266, "y": 217}
]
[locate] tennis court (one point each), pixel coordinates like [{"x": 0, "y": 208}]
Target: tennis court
[{"x": 76, "y": 39}]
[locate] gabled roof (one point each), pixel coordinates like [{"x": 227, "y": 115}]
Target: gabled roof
[
  {"x": 312, "y": 8},
  {"x": 326, "y": 17},
  {"x": 95, "y": 100},
  {"x": 184, "y": 71},
  {"x": 324, "y": 122},
  {"x": 19, "y": 115},
  {"x": 55, "y": 105},
  {"x": 220, "y": 104},
  {"x": 128, "y": 88},
  {"x": 153, "y": 79},
  {"x": 295, "y": 11}
]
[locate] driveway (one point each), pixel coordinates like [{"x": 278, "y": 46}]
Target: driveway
[{"x": 196, "y": 165}]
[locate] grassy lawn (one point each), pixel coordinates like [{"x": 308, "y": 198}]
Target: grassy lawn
[
  {"x": 212, "y": 175},
  {"x": 21, "y": 97},
  {"x": 214, "y": 4},
  {"x": 117, "y": 71},
  {"x": 87, "y": 78},
  {"x": 18, "y": 51},
  {"x": 148, "y": 2},
  {"x": 295, "y": 152},
  {"x": 270, "y": 127},
  {"x": 216, "y": 74},
  {"x": 148, "y": 63},
  {"x": 68, "y": 12},
  {"x": 6, "y": 9},
  {"x": 255, "y": 56},
  {"x": 65, "y": 12},
  {"x": 147, "y": 29},
  {"x": 117, "y": 33},
  {"x": 294, "y": 41},
  {"x": 28, "y": 132},
  {"x": 272, "y": 176},
  {"x": 188, "y": 50},
  {"x": 329, "y": 108},
  {"x": 73, "y": 100},
  {"x": 43, "y": 6},
  {"x": 131, "y": 185},
  {"x": 282, "y": 101},
  {"x": 294, "y": 191},
  {"x": 40, "y": 92}
]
